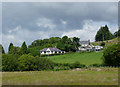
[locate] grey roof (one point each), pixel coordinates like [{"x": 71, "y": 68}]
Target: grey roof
[
  {"x": 85, "y": 42},
  {"x": 52, "y": 49},
  {"x": 44, "y": 49}
]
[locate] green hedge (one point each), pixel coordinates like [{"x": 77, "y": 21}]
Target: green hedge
[{"x": 27, "y": 62}]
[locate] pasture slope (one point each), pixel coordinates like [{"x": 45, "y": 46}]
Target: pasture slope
[{"x": 83, "y": 58}]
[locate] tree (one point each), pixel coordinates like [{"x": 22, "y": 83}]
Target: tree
[
  {"x": 66, "y": 40},
  {"x": 23, "y": 49},
  {"x": 61, "y": 46},
  {"x": 3, "y": 52},
  {"x": 35, "y": 51},
  {"x": 117, "y": 33},
  {"x": 2, "y": 49},
  {"x": 26, "y": 62},
  {"x": 76, "y": 42},
  {"x": 111, "y": 55},
  {"x": 16, "y": 50},
  {"x": 104, "y": 34},
  {"x": 11, "y": 48}
]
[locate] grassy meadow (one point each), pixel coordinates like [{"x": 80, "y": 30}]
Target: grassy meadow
[
  {"x": 83, "y": 58},
  {"x": 91, "y": 76}
]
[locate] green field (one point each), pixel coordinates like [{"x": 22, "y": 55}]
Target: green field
[
  {"x": 91, "y": 76},
  {"x": 83, "y": 58}
]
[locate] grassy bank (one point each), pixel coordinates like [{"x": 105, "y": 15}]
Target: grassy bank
[
  {"x": 83, "y": 58},
  {"x": 93, "y": 76}
]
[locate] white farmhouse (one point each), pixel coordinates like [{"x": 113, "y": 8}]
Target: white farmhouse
[{"x": 51, "y": 51}]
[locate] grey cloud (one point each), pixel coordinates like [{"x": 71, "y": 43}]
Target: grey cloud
[{"x": 25, "y": 14}]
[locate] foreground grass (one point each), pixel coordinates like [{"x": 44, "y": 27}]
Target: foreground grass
[
  {"x": 93, "y": 76},
  {"x": 83, "y": 58}
]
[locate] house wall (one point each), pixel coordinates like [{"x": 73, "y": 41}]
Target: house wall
[
  {"x": 52, "y": 52},
  {"x": 82, "y": 49},
  {"x": 84, "y": 45}
]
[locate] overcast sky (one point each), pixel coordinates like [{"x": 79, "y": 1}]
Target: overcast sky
[{"x": 28, "y": 21}]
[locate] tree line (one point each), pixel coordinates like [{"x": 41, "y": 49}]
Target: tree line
[
  {"x": 27, "y": 58},
  {"x": 64, "y": 43}
]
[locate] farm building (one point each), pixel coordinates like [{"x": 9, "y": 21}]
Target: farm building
[
  {"x": 51, "y": 51},
  {"x": 98, "y": 48},
  {"x": 86, "y": 46}
]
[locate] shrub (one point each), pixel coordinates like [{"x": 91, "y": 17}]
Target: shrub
[
  {"x": 26, "y": 62},
  {"x": 111, "y": 55},
  {"x": 94, "y": 65},
  {"x": 9, "y": 62},
  {"x": 102, "y": 44},
  {"x": 76, "y": 65},
  {"x": 44, "y": 64}
]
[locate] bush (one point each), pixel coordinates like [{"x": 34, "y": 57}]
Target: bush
[
  {"x": 76, "y": 65},
  {"x": 9, "y": 62},
  {"x": 95, "y": 65},
  {"x": 26, "y": 62},
  {"x": 44, "y": 64},
  {"x": 102, "y": 44},
  {"x": 111, "y": 55}
]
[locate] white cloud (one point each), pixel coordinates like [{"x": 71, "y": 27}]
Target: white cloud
[
  {"x": 13, "y": 30},
  {"x": 63, "y": 22},
  {"x": 88, "y": 31},
  {"x": 45, "y": 23}
]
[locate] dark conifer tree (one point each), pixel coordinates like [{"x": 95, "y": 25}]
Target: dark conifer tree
[
  {"x": 104, "y": 34},
  {"x": 23, "y": 49},
  {"x": 11, "y": 48}
]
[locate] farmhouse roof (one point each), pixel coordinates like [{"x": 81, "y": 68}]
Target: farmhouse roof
[
  {"x": 52, "y": 49},
  {"x": 85, "y": 42}
]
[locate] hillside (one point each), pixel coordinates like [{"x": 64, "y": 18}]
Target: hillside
[
  {"x": 107, "y": 42},
  {"x": 83, "y": 58}
]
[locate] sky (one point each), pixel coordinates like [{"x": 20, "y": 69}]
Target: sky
[{"x": 29, "y": 21}]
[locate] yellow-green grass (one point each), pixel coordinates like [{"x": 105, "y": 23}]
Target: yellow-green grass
[
  {"x": 83, "y": 58},
  {"x": 96, "y": 76},
  {"x": 107, "y": 42}
]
